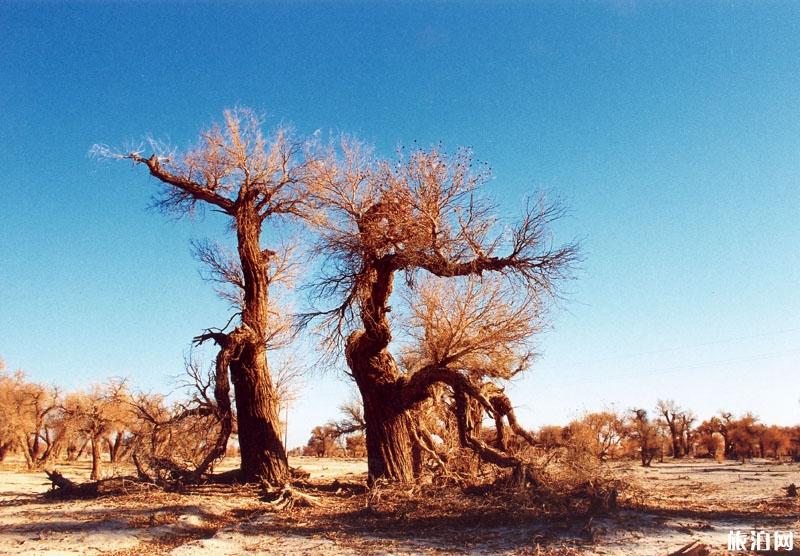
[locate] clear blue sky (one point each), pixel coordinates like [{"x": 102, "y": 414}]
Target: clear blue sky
[{"x": 672, "y": 130}]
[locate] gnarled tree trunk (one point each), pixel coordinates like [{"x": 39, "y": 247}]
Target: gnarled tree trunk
[
  {"x": 251, "y": 178},
  {"x": 389, "y": 425},
  {"x": 263, "y": 454}
]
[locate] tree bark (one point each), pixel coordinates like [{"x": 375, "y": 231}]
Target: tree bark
[
  {"x": 389, "y": 426},
  {"x": 255, "y": 196},
  {"x": 95, "y": 476},
  {"x": 262, "y": 452},
  {"x": 389, "y": 423}
]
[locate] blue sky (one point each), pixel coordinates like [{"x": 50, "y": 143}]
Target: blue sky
[{"x": 671, "y": 130}]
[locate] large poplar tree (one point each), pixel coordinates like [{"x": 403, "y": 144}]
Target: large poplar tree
[
  {"x": 253, "y": 179},
  {"x": 425, "y": 212}
]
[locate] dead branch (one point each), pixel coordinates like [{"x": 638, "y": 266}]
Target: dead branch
[{"x": 65, "y": 488}]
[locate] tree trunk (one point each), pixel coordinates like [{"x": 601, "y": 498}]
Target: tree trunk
[
  {"x": 23, "y": 442},
  {"x": 262, "y": 453},
  {"x": 95, "y": 476},
  {"x": 388, "y": 426},
  {"x": 115, "y": 449},
  {"x": 80, "y": 450},
  {"x": 35, "y": 445},
  {"x": 676, "y": 443},
  {"x": 5, "y": 447},
  {"x": 389, "y": 445}
]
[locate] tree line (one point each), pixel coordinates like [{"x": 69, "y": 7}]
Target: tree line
[
  {"x": 667, "y": 431},
  {"x": 167, "y": 441},
  {"x": 110, "y": 422}
]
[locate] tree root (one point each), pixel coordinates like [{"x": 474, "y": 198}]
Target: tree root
[{"x": 288, "y": 498}]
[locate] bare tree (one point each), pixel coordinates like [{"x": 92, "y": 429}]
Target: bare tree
[
  {"x": 95, "y": 413},
  {"x": 182, "y": 441},
  {"x": 29, "y": 419},
  {"x": 352, "y": 421},
  {"x": 349, "y": 430},
  {"x": 644, "y": 433},
  {"x": 600, "y": 434},
  {"x": 288, "y": 377},
  {"x": 252, "y": 179},
  {"x": 421, "y": 213},
  {"x": 322, "y": 442},
  {"x": 674, "y": 418},
  {"x": 685, "y": 422}
]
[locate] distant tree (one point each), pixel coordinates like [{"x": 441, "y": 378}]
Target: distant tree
[
  {"x": 322, "y": 443},
  {"x": 252, "y": 179},
  {"x": 675, "y": 420},
  {"x": 416, "y": 215},
  {"x": 97, "y": 412},
  {"x": 705, "y": 431},
  {"x": 644, "y": 433},
  {"x": 794, "y": 442},
  {"x": 742, "y": 436},
  {"x": 29, "y": 414},
  {"x": 353, "y": 421},
  {"x": 356, "y": 445},
  {"x": 773, "y": 440},
  {"x": 552, "y": 436},
  {"x": 347, "y": 431},
  {"x": 288, "y": 378},
  {"x": 601, "y": 434}
]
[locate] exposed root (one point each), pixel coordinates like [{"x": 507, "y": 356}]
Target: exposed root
[{"x": 288, "y": 498}]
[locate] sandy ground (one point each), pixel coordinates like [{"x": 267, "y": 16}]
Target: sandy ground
[{"x": 680, "y": 502}]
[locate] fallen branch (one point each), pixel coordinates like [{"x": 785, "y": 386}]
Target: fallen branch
[{"x": 66, "y": 488}]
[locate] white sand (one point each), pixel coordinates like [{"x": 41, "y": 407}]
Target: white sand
[{"x": 692, "y": 494}]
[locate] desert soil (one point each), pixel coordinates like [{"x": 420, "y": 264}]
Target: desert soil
[{"x": 678, "y": 502}]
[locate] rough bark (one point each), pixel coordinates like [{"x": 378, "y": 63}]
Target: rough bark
[
  {"x": 390, "y": 397},
  {"x": 263, "y": 454},
  {"x": 389, "y": 425},
  {"x": 250, "y": 178}
]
